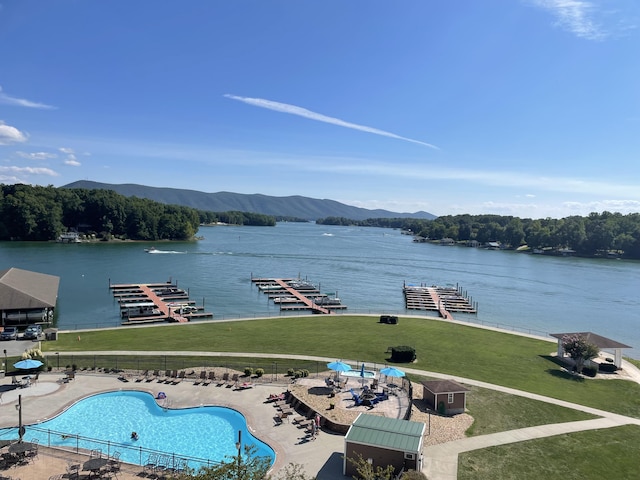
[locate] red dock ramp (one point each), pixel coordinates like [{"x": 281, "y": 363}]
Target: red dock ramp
[{"x": 166, "y": 311}]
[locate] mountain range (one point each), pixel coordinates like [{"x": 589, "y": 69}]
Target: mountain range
[{"x": 293, "y": 206}]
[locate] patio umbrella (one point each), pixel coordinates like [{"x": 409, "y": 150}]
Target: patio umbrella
[
  {"x": 27, "y": 364},
  {"x": 339, "y": 366},
  {"x": 362, "y": 373},
  {"x": 392, "y": 372}
]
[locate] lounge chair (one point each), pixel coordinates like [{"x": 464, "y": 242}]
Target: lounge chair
[
  {"x": 233, "y": 380},
  {"x": 73, "y": 470},
  {"x": 212, "y": 376},
  {"x": 179, "y": 378},
  {"x": 143, "y": 376},
  {"x": 205, "y": 380},
  {"x": 225, "y": 379},
  {"x": 203, "y": 377},
  {"x": 165, "y": 377}
]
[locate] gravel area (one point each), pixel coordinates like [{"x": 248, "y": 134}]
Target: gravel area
[{"x": 442, "y": 428}]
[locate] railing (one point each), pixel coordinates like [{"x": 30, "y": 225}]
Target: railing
[{"x": 128, "y": 453}]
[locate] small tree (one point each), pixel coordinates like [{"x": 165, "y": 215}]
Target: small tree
[
  {"x": 577, "y": 347},
  {"x": 366, "y": 470},
  {"x": 246, "y": 467}
]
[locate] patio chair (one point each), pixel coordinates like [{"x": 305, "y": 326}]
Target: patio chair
[
  {"x": 162, "y": 466},
  {"x": 150, "y": 465},
  {"x": 15, "y": 381},
  {"x": 95, "y": 453},
  {"x": 73, "y": 470},
  {"x": 114, "y": 465},
  {"x": 31, "y": 454}
]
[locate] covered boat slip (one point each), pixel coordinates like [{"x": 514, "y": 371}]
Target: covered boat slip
[
  {"x": 155, "y": 302},
  {"x": 27, "y": 297}
]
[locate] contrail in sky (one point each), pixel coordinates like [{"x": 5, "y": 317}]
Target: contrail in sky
[{"x": 303, "y": 112}]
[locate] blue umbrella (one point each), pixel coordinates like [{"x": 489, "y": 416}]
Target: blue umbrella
[
  {"x": 27, "y": 364},
  {"x": 339, "y": 366},
  {"x": 362, "y": 370},
  {"x": 392, "y": 372}
]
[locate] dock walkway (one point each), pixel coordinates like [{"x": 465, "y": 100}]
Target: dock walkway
[
  {"x": 443, "y": 300},
  {"x": 284, "y": 293}
]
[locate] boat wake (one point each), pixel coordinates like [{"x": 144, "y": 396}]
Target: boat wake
[{"x": 174, "y": 252}]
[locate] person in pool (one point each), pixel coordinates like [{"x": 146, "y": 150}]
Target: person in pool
[{"x": 134, "y": 436}]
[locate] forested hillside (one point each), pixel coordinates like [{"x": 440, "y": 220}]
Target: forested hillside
[
  {"x": 599, "y": 234},
  {"x": 43, "y": 213},
  {"x": 291, "y": 207}
]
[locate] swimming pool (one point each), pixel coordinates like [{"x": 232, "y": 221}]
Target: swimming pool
[
  {"x": 202, "y": 432},
  {"x": 356, "y": 373}
]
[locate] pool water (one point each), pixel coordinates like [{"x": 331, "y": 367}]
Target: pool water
[
  {"x": 356, "y": 373},
  {"x": 203, "y": 432}
]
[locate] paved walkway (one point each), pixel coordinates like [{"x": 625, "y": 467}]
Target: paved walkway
[{"x": 321, "y": 457}]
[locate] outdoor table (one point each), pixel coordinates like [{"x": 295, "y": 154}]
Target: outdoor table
[
  {"x": 20, "y": 447},
  {"x": 94, "y": 465}
]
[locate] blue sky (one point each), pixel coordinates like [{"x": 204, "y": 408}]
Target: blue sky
[{"x": 514, "y": 107}]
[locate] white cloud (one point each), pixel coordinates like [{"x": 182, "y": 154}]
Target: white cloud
[
  {"x": 67, "y": 150},
  {"x": 303, "y": 112},
  {"x": 9, "y": 134},
  {"x": 72, "y": 161},
  {"x": 29, "y": 171},
  {"x": 36, "y": 155},
  {"x": 21, "y": 102},
  {"x": 576, "y": 16}
]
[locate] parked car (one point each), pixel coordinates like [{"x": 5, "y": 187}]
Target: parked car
[
  {"x": 9, "y": 333},
  {"x": 33, "y": 332}
]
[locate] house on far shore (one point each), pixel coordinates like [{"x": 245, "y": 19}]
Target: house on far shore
[
  {"x": 384, "y": 441},
  {"x": 446, "y": 397},
  {"x": 603, "y": 343}
]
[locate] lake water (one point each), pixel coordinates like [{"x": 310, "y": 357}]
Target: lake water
[{"x": 365, "y": 267}]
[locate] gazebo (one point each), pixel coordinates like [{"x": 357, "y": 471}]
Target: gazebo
[{"x": 603, "y": 343}]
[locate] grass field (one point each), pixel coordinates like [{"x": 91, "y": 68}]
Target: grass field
[
  {"x": 611, "y": 453},
  {"x": 495, "y": 357}
]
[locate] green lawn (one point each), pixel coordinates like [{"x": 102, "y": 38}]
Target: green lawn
[
  {"x": 485, "y": 355},
  {"x": 494, "y": 357},
  {"x": 611, "y": 453}
]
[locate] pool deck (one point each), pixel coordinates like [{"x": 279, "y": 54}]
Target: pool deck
[{"x": 320, "y": 457}]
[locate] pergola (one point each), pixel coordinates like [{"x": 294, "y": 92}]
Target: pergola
[{"x": 603, "y": 343}]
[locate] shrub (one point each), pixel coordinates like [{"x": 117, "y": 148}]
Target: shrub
[
  {"x": 589, "y": 372},
  {"x": 259, "y": 372},
  {"x": 403, "y": 354},
  {"x": 608, "y": 367},
  {"x": 248, "y": 371},
  {"x": 290, "y": 372}
]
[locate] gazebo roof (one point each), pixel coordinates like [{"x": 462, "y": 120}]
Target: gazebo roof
[
  {"x": 597, "y": 340},
  {"x": 444, "y": 386},
  {"x": 24, "y": 290}
]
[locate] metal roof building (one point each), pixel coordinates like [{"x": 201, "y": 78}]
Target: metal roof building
[
  {"x": 384, "y": 441},
  {"x": 23, "y": 291}
]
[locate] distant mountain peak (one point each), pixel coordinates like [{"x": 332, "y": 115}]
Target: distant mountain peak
[{"x": 291, "y": 206}]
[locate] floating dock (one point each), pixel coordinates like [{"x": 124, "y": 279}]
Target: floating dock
[
  {"x": 443, "y": 300},
  {"x": 155, "y": 302},
  {"x": 296, "y": 294}
]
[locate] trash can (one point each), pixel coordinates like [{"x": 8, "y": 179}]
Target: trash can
[{"x": 392, "y": 320}]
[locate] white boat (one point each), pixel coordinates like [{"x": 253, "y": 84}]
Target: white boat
[
  {"x": 69, "y": 237},
  {"x": 151, "y": 250}
]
